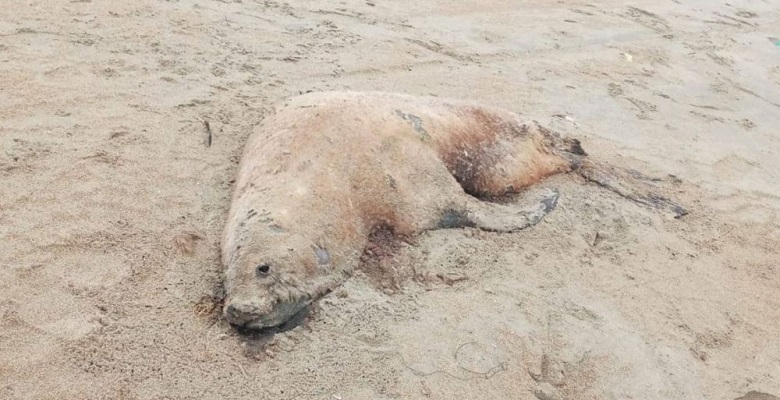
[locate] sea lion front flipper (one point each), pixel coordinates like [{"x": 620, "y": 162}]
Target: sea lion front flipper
[
  {"x": 626, "y": 182},
  {"x": 506, "y": 218}
]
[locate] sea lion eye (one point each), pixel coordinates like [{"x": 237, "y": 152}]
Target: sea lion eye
[{"x": 263, "y": 269}]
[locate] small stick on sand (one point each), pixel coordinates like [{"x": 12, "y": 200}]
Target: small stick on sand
[{"x": 208, "y": 132}]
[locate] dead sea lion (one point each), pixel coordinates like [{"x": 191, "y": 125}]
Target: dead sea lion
[{"x": 327, "y": 169}]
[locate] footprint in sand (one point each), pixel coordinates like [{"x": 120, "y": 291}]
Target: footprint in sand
[{"x": 733, "y": 167}]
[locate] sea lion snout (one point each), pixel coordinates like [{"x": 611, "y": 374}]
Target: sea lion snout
[
  {"x": 242, "y": 313},
  {"x": 238, "y": 315},
  {"x": 256, "y": 316}
]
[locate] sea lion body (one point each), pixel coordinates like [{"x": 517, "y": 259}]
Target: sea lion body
[{"x": 328, "y": 168}]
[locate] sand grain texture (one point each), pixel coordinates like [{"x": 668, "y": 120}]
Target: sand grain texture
[{"x": 113, "y": 195}]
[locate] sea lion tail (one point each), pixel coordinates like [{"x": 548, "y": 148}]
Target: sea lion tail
[{"x": 631, "y": 185}]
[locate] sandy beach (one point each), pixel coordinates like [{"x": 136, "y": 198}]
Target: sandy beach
[{"x": 107, "y": 168}]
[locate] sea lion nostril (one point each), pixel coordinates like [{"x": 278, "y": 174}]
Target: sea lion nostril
[
  {"x": 263, "y": 269},
  {"x": 237, "y": 310},
  {"x": 232, "y": 310}
]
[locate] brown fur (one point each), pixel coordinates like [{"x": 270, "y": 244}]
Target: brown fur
[
  {"x": 492, "y": 156},
  {"x": 329, "y": 168}
]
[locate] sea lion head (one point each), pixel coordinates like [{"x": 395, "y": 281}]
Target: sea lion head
[{"x": 272, "y": 278}]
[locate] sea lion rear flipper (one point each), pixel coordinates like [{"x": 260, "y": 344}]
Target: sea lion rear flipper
[
  {"x": 628, "y": 184},
  {"x": 502, "y": 218}
]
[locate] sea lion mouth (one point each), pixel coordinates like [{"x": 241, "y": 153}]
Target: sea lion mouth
[
  {"x": 247, "y": 317},
  {"x": 255, "y": 330}
]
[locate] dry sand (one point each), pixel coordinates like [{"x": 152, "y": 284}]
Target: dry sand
[{"x": 105, "y": 164}]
